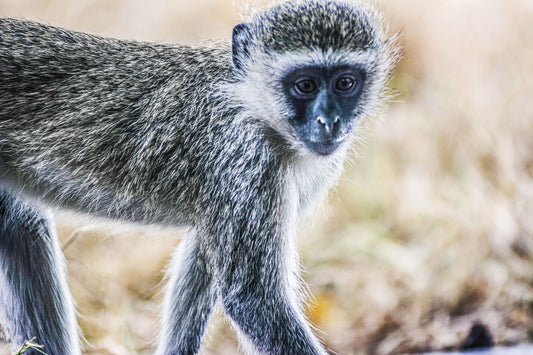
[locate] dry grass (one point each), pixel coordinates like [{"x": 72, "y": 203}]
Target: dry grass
[{"x": 429, "y": 230}]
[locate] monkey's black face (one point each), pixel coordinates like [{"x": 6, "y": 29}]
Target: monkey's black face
[{"x": 324, "y": 100}]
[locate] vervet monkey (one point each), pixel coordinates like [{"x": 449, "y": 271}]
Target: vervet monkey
[{"x": 234, "y": 142}]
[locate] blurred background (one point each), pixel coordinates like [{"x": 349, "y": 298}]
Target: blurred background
[{"x": 431, "y": 227}]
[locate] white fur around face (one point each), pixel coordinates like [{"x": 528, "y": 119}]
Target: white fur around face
[{"x": 259, "y": 93}]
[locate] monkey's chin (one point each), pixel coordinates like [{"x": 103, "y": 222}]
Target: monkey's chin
[{"x": 324, "y": 148}]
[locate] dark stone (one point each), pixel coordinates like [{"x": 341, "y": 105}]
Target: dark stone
[{"x": 479, "y": 337}]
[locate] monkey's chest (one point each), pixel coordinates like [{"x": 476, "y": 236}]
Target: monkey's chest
[{"x": 313, "y": 178}]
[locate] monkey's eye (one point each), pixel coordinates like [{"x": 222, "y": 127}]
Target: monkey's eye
[
  {"x": 305, "y": 86},
  {"x": 344, "y": 83}
]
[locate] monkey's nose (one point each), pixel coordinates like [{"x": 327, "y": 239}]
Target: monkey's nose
[{"x": 328, "y": 125}]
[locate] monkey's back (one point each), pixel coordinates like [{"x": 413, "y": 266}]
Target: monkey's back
[{"x": 80, "y": 115}]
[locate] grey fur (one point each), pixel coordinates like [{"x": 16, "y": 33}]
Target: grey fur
[
  {"x": 175, "y": 135},
  {"x": 38, "y": 304}
]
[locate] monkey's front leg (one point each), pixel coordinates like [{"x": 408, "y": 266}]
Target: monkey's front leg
[
  {"x": 189, "y": 300},
  {"x": 257, "y": 294}
]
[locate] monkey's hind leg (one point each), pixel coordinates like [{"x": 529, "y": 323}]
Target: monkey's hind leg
[
  {"x": 34, "y": 296},
  {"x": 189, "y": 299}
]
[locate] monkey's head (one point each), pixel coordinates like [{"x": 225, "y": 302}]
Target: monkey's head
[{"x": 311, "y": 69}]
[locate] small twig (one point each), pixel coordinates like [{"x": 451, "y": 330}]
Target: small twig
[
  {"x": 70, "y": 239},
  {"x": 30, "y": 345}
]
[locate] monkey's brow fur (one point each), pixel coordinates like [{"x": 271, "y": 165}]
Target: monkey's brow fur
[{"x": 176, "y": 135}]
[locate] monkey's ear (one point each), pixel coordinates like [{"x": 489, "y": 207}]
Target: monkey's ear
[{"x": 241, "y": 41}]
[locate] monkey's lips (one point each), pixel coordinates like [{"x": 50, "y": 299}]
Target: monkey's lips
[{"x": 324, "y": 147}]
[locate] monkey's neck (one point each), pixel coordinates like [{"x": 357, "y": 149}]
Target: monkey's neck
[{"x": 313, "y": 176}]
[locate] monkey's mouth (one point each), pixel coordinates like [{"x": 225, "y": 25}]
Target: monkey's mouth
[{"x": 325, "y": 147}]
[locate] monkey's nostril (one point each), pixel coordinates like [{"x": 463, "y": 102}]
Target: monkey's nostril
[{"x": 329, "y": 126}]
